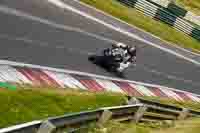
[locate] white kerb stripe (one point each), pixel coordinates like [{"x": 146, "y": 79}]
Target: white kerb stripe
[
  {"x": 72, "y": 82},
  {"x": 18, "y": 75},
  {"x": 62, "y": 79},
  {"x": 109, "y": 85},
  {"x": 194, "y": 98},
  {"x": 143, "y": 90},
  {"x": 6, "y": 75},
  {"x": 10, "y": 72},
  {"x": 171, "y": 94},
  {"x": 55, "y": 76},
  {"x": 1, "y": 79},
  {"x": 12, "y": 63},
  {"x": 23, "y": 78}
]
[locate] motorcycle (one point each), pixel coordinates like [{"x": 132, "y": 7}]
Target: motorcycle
[{"x": 111, "y": 60}]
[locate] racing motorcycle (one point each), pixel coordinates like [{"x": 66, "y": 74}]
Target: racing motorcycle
[{"x": 112, "y": 60}]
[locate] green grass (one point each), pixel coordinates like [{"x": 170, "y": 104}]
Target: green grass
[
  {"x": 134, "y": 17},
  {"x": 186, "y": 126},
  {"x": 190, "y": 5},
  {"x": 26, "y": 105},
  {"x": 188, "y": 104},
  {"x": 116, "y": 127}
]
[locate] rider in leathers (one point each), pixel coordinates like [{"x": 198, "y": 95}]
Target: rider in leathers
[{"x": 128, "y": 53}]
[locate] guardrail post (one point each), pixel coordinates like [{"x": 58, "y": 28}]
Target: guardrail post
[
  {"x": 106, "y": 115},
  {"x": 183, "y": 114},
  {"x": 46, "y": 127},
  {"x": 132, "y": 100},
  {"x": 139, "y": 113}
]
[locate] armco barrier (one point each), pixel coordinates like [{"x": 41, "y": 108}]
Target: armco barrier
[
  {"x": 176, "y": 10},
  {"x": 144, "y": 111},
  {"x": 75, "y": 80},
  {"x": 166, "y": 106},
  {"x": 73, "y": 119},
  {"x": 171, "y": 15}
]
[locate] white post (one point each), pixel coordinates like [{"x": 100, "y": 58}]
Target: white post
[
  {"x": 106, "y": 115},
  {"x": 183, "y": 114},
  {"x": 46, "y": 127},
  {"x": 139, "y": 113}
]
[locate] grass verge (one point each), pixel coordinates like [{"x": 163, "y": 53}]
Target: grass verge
[
  {"x": 186, "y": 126},
  {"x": 188, "y": 104},
  {"x": 27, "y": 104},
  {"x": 134, "y": 17},
  {"x": 116, "y": 127},
  {"x": 190, "y": 5}
]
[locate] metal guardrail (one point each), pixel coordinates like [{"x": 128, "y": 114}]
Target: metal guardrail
[
  {"x": 74, "y": 119},
  {"x": 141, "y": 111},
  {"x": 167, "y": 106}
]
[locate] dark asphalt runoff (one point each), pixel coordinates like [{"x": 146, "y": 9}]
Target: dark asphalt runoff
[{"x": 31, "y": 42}]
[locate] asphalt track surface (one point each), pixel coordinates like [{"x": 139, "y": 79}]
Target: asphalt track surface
[{"x": 29, "y": 41}]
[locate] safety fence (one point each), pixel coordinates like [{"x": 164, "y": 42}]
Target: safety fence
[
  {"x": 38, "y": 77},
  {"x": 141, "y": 111},
  {"x": 172, "y": 15},
  {"x": 177, "y": 10}
]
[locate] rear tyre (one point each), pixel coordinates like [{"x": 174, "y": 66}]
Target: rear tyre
[
  {"x": 99, "y": 60},
  {"x": 120, "y": 74},
  {"x": 91, "y": 58}
]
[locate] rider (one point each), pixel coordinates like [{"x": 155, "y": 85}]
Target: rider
[
  {"x": 132, "y": 53},
  {"x": 129, "y": 52}
]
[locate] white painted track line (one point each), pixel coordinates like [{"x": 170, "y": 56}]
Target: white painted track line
[
  {"x": 60, "y": 4},
  {"x": 27, "y": 16},
  {"x": 106, "y": 14}
]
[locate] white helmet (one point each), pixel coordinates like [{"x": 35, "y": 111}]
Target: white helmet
[{"x": 121, "y": 44}]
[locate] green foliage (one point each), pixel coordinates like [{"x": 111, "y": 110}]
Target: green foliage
[
  {"x": 191, "y": 5},
  {"x": 26, "y": 105}
]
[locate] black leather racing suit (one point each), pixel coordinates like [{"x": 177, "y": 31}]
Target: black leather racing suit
[{"x": 124, "y": 53}]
